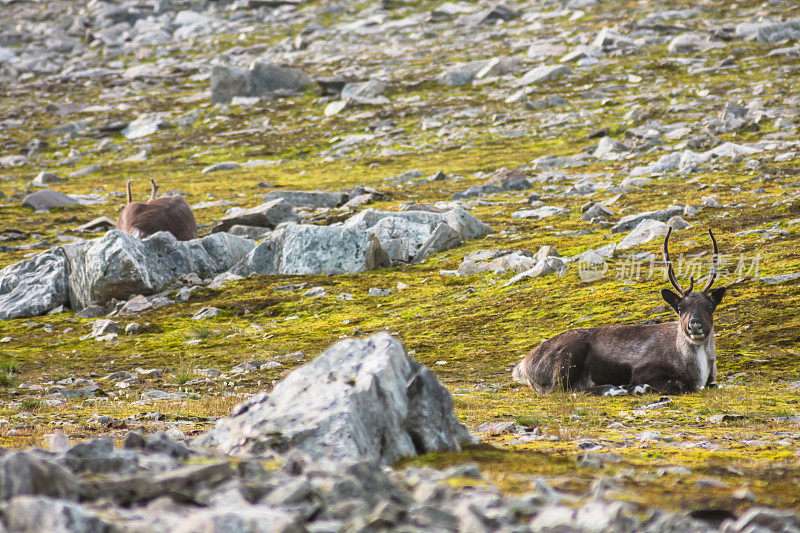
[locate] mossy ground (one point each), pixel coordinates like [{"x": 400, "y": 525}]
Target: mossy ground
[{"x": 469, "y": 331}]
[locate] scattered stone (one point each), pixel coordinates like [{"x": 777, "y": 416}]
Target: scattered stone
[
  {"x": 647, "y": 230},
  {"x": 629, "y": 222},
  {"x": 268, "y": 215},
  {"x": 597, "y": 211},
  {"x": 544, "y": 266},
  {"x": 43, "y": 179},
  {"x": 374, "y": 291},
  {"x": 46, "y": 199},
  {"x": 541, "y": 212},
  {"x": 225, "y": 165},
  {"x": 205, "y": 313},
  {"x": 493, "y": 429},
  {"x": 316, "y": 292},
  {"x": 783, "y": 278},
  {"x": 98, "y": 224},
  {"x": 542, "y": 74}
]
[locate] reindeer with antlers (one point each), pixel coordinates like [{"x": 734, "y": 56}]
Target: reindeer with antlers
[{"x": 672, "y": 357}]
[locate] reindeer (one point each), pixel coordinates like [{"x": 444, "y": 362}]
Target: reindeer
[
  {"x": 672, "y": 357},
  {"x": 170, "y": 213}
]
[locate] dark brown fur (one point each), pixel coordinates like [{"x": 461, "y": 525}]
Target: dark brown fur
[
  {"x": 673, "y": 357},
  {"x": 171, "y": 214}
]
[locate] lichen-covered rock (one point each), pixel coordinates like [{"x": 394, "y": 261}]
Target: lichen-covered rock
[
  {"x": 368, "y": 240},
  {"x": 460, "y": 220},
  {"x": 360, "y": 398},
  {"x": 34, "y": 286},
  {"x": 413, "y": 235},
  {"x": 118, "y": 265},
  {"x": 306, "y": 249}
]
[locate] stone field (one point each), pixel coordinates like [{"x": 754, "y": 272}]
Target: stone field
[{"x": 396, "y": 201}]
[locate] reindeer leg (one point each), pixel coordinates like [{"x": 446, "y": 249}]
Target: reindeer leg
[{"x": 662, "y": 380}]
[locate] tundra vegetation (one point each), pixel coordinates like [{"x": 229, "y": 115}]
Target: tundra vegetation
[{"x": 640, "y": 95}]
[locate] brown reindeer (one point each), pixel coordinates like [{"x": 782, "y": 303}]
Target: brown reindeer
[
  {"x": 673, "y": 357},
  {"x": 170, "y": 213}
]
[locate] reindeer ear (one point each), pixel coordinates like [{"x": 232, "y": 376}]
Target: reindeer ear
[
  {"x": 671, "y": 298},
  {"x": 716, "y": 295}
]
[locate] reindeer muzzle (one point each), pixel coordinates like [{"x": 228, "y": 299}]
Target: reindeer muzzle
[{"x": 695, "y": 329}]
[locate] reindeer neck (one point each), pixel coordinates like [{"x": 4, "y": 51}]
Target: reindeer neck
[{"x": 700, "y": 359}]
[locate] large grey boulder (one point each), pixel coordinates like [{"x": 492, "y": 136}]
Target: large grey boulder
[
  {"x": 370, "y": 239},
  {"x": 308, "y": 198},
  {"x": 362, "y": 398},
  {"x": 261, "y": 78},
  {"x": 27, "y": 473},
  {"x": 267, "y": 215},
  {"x": 118, "y": 265},
  {"x": 307, "y": 249},
  {"x": 34, "y": 286}
]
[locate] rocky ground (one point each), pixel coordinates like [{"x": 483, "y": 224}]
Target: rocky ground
[{"x": 493, "y": 174}]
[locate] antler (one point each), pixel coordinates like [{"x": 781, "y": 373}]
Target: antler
[
  {"x": 128, "y": 187},
  {"x": 671, "y": 271},
  {"x": 713, "y": 263},
  {"x": 153, "y": 190}
]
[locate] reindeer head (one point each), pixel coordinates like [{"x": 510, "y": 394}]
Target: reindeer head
[{"x": 695, "y": 309}]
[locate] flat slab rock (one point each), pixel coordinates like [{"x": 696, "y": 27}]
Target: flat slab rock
[
  {"x": 308, "y": 198},
  {"x": 267, "y": 215},
  {"x": 359, "y": 399}
]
